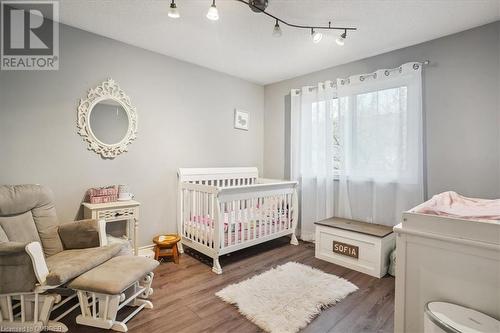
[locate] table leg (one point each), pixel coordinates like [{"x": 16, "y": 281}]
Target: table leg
[{"x": 136, "y": 232}]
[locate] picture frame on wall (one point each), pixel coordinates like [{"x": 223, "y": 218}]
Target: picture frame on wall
[{"x": 241, "y": 119}]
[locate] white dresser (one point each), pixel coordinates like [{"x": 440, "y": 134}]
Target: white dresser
[
  {"x": 117, "y": 211},
  {"x": 448, "y": 260}
]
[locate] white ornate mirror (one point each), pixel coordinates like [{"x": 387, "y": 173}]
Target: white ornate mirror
[{"x": 107, "y": 121}]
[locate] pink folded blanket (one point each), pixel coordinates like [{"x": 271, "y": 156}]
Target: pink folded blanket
[{"x": 453, "y": 204}]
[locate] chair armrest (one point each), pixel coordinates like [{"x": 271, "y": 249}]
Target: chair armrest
[
  {"x": 103, "y": 238},
  {"x": 22, "y": 265},
  {"x": 12, "y": 248},
  {"x": 79, "y": 234}
]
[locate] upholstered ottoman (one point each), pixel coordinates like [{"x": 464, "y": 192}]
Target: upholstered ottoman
[{"x": 104, "y": 290}]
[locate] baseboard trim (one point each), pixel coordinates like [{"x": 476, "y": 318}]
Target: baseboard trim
[{"x": 146, "y": 251}]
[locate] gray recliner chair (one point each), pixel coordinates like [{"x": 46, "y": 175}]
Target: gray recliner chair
[{"x": 38, "y": 254}]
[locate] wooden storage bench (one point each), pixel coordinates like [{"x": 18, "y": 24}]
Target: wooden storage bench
[{"x": 361, "y": 246}]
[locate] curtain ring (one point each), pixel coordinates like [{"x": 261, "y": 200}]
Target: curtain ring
[
  {"x": 415, "y": 66},
  {"x": 387, "y": 72},
  {"x": 361, "y": 78},
  {"x": 400, "y": 69}
]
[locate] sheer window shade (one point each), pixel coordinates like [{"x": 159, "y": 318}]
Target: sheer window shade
[{"x": 366, "y": 131}]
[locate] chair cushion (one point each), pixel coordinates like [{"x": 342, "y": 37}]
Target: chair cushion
[
  {"x": 68, "y": 264},
  {"x": 115, "y": 275},
  {"x": 38, "y": 201},
  {"x": 19, "y": 228},
  {"x": 16, "y": 269}
]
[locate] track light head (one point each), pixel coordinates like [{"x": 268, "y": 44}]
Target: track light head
[
  {"x": 316, "y": 36},
  {"x": 258, "y": 6},
  {"x": 173, "y": 12},
  {"x": 341, "y": 39},
  {"x": 213, "y": 13},
  {"x": 277, "y": 30}
]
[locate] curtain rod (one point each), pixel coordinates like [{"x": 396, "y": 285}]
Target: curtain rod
[{"x": 423, "y": 63}]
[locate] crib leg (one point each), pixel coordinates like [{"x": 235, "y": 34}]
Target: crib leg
[
  {"x": 216, "y": 268},
  {"x": 180, "y": 248},
  {"x": 294, "y": 240}
]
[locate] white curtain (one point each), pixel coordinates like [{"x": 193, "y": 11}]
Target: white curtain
[
  {"x": 312, "y": 155},
  {"x": 356, "y": 147}
]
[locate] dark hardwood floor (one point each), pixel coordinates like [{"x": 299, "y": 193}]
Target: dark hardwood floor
[{"x": 184, "y": 299}]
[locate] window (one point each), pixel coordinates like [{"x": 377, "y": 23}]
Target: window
[{"x": 375, "y": 132}]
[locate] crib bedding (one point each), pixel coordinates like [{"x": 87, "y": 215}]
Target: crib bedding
[
  {"x": 452, "y": 204},
  {"x": 201, "y": 232},
  {"x": 241, "y": 230}
]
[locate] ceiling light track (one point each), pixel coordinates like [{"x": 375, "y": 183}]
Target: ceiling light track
[
  {"x": 259, "y": 6},
  {"x": 299, "y": 26}
]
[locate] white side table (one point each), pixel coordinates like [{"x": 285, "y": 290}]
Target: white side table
[{"x": 116, "y": 211}]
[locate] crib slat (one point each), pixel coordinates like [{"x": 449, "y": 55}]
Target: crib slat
[
  {"x": 229, "y": 223},
  {"x": 259, "y": 212},
  {"x": 274, "y": 216},
  {"x": 280, "y": 213},
  {"x": 199, "y": 215},
  {"x": 285, "y": 211},
  {"x": 246, "y": 229},
  {"x": 288, "y": 206},
  {"x": 237, "y": 221},
  {"x": 212, "y": 220},
  {"x": 253, "y": 218},
  {"x": 207, "y": 220},
  {"x": 277, "y": 213},
  {"x": 193, "y": 214}
]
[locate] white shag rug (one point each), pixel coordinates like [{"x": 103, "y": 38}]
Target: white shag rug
[{"x": 286, "y": 298}]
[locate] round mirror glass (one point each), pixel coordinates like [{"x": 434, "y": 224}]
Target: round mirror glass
[{"x": 109, "y": 122}]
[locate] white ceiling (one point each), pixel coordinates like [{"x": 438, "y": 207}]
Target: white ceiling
[{"x": 240, "y": 43}]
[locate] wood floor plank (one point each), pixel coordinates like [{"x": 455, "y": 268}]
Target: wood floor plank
[{"x": 184, "y": 295}]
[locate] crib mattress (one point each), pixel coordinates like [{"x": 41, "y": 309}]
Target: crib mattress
[{"x": 203, "y": 231}]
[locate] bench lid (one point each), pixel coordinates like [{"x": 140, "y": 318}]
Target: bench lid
[{"x": 366, "y": 228}]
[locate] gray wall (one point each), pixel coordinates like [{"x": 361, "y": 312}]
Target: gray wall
[
  {"x": 461, "y": 106},
  {"x": 185, "y": 120}
]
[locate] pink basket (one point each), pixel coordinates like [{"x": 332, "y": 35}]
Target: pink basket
[
  {"x": 103, "y": 199},
  {"x": 102, "y": 194}
]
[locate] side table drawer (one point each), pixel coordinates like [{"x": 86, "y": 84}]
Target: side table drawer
[{"x": 124, "y": 213}]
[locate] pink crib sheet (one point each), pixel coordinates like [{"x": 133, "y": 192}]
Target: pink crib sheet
[
  {"x": 245, "y": 230},
  {"x": 455, "y": 205}
]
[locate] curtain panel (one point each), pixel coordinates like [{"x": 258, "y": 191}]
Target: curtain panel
[{"x": 356, "y": 147}]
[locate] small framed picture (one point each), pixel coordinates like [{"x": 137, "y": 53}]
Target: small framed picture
[{"x": 241, "y": 119}]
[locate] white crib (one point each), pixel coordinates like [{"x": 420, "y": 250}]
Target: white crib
[{"x": 222, "y": 210}]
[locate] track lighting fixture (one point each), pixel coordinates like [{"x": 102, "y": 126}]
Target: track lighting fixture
[
  {"x": 316, "y": 36},
  {"x": 277, "y": 30},
  {"x": 173, "y": 12},
  {"x": 213, "y": 13},
  {"x": 259, "y": 6},
  {"x": 341, "y": 39}
]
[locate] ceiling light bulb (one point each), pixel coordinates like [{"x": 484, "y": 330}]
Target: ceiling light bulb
[
  {"x": 341, "y": 39},
  {"x": 213, "y": 13},
  {"x": 316, "y": 36},
  {"x": 277, "y": 30},
  {"x": 173, "y": 12}
]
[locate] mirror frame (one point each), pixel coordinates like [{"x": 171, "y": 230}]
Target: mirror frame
[{"x": 109, "y": 89}]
